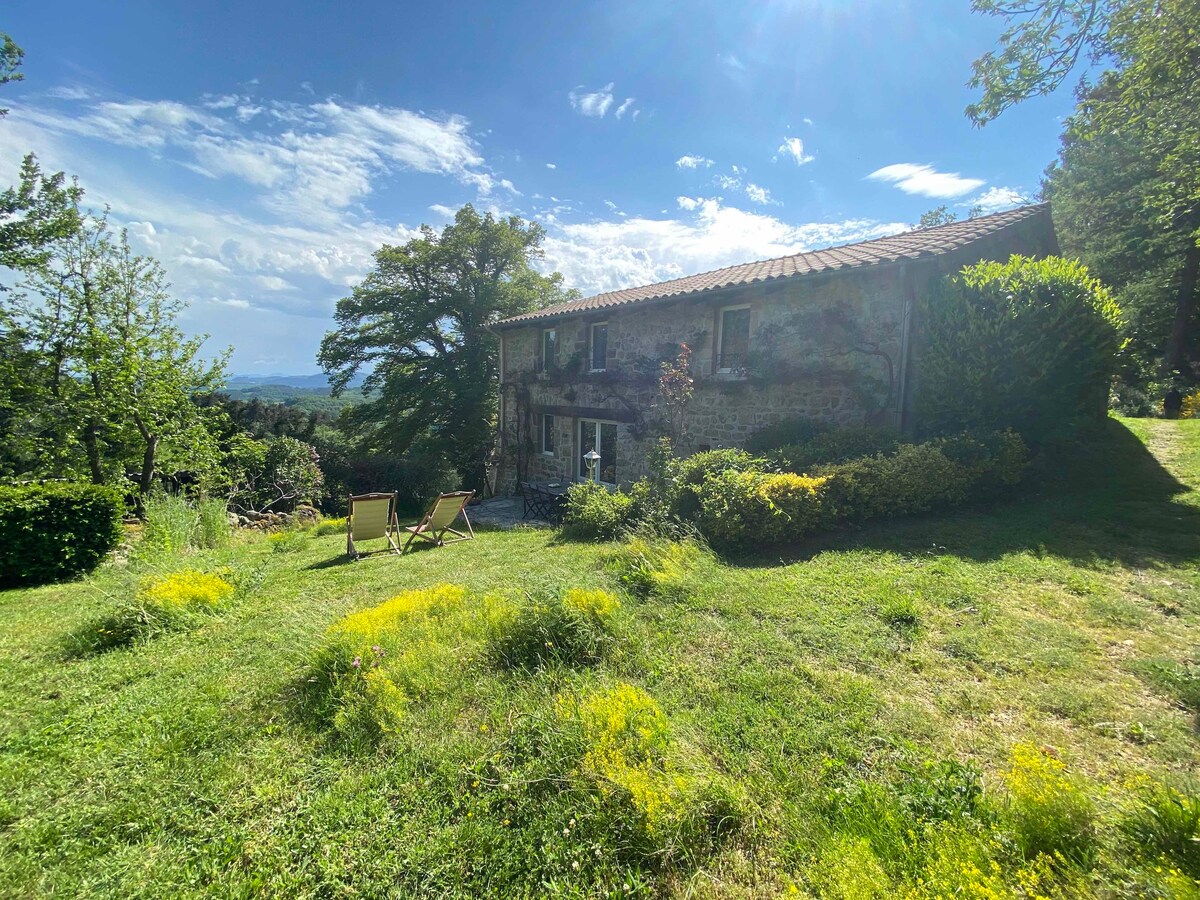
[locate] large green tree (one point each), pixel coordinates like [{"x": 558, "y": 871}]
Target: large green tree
[
  {"x": 418, "y": 324},
  {"x": 1126, "y": 191}
]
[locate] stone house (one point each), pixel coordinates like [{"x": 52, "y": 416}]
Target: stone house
[{"x": 830, "y": 334}]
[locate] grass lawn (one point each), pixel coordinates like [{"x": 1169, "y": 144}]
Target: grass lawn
[{"x": 837, "y": 699}]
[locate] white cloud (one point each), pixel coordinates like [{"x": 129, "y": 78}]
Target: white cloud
[
  {"x": 995, "y": 199},
  {"x": 610, "y": 205},
  {"x": 925, "y": 180},
  {"x": 731, "y": 60},
  {"x": 442, "y": 210},
  {"x": 272, "y": 283},
  {"x": 69, "y": 92},
  {"x": 693, "y": 162},
  {"x": 688, "y": 203},
  {"x": 594, "y": 104},
  {"x": 758, "y": 194},
  {"x": 551, "y": 166},
  {"x": 603, "y": 256},
  {"x": 623, "y": 107},
  {"x": 794, "y": 147}
]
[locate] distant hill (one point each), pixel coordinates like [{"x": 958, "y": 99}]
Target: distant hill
[{"x": 319, "y": 380}]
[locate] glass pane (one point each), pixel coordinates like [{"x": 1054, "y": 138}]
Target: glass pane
[
  {"x": 549, "y": 348},
  {"x": 599, "y": 346},
  {"x": 608, "y": 453},
  {"x": 735, "y": 338},
  {"x": 548, "y": 434}
]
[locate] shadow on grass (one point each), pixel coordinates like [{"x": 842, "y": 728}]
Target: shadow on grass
[{"x": 1105, "y": 500}]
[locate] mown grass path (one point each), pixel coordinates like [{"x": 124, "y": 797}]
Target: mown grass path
[{"x": 185, "y": 764}]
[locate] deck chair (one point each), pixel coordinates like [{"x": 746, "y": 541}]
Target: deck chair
[
  {"x": 372, "y": 516},
  {"x": 435, "y": 524}
]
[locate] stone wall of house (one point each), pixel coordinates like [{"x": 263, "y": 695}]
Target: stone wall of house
[{"x": 725, "y": 408}]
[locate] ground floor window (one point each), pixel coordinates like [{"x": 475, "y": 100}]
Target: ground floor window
[
  {"x": 601, "y": 437},
  {"x": 548, "y": 434}
]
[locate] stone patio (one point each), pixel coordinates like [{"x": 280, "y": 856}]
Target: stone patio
[{"x": 502, "y": 512}]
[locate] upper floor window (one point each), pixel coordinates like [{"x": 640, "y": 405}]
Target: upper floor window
[
  {"x": 599, "y": 346},
  {"x": 549, "y": 349},
  {"x": 733, "y": 339}
]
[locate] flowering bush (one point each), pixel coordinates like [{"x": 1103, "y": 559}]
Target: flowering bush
[
  {"x": 628, "y": 754},
  {"x": 188, "y": 590},
  {"x": 1049, "y": 810}
]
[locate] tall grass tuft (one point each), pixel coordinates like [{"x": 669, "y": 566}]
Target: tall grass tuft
[
  {"x": 170, "y": 525},
  {"x": 212, "y": 524}
]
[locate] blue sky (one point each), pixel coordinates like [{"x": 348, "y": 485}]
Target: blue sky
[{"x": 262, "y": 151}]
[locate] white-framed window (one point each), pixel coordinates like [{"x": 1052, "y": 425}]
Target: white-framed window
[
  {"x": 549, "y": 349},
  {"x": 601, "y": 436},
  {"x": 733, "y": 338},
  {"x": 599, "y": 345},
  {"x": 548, "y": 434}
]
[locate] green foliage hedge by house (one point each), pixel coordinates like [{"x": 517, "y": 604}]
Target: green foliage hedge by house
[
  {"x": 49, "y": 532},
  {"x": 1028, "y": 344},
  {"x": 737, "y": 501}
]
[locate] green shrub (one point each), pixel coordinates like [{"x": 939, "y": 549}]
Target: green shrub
[
  {"x": 288, "y": 541},
  {"x": 740, "y": 510},
  {"x": 690, "y": 474},
  {"x": 915, "y": 479},
  {"x": 837, "y": 445},
  {"x": 595, "y": 513},
  {"x": 1028, "y": 344},
  {"x": 55, "y": 531},
  {"x": 576, "y": 629}
]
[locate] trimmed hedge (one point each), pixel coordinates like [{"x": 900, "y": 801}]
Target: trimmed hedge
[{"x": 49, "y": 532}]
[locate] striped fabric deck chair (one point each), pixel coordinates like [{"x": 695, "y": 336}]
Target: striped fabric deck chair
[
  {"x": 435, "y": 524},
  {"x": 372, "y": 516}
]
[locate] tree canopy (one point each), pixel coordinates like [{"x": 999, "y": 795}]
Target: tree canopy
[{"x": 419, "y": 324}]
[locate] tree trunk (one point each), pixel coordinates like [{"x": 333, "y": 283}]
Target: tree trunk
[
  {"x": 1176, "y": 356},
  {"x": 146, "y": 480},
  {"x": 91, "y": 442}
]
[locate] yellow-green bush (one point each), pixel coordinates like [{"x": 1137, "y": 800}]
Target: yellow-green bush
[
  {"x": 331, "y": 526},
  {"x": 628, "y": 754},
  {"x": 184, "y": 591},
  {"x": 374, "y": 663},
  {"x": 1048, "y": 809},
  {"x": 744, "y": 509}
]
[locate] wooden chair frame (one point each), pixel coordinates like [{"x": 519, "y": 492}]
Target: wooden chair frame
[
  {"x": 424, "y": 528},
  {"x": 391, "y": 530}
]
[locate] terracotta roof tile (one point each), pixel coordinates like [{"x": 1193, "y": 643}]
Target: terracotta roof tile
[{"x": 908, "y": 245}]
